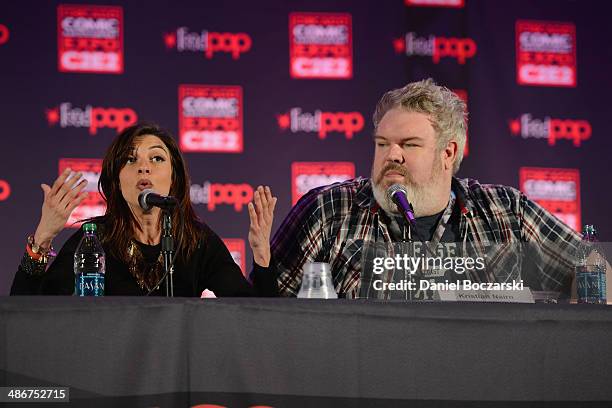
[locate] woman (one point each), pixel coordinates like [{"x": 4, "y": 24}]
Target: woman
[{"x": 141, "y": 157}]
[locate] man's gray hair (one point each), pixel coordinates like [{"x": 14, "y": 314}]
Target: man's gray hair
[{"x": 446, "y": 111}]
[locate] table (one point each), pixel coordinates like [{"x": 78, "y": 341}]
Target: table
[{"x": 294, "y": 352}]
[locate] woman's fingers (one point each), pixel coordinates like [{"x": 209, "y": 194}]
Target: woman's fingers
[
  {"x": 59, "y": 182},
  {"x": 46, "y": 190},
  {"x": 75, "y": 202},
  {"x": 60, "y": 200},
  {"x": 62, "y": 187},
  {"x": 66, "y": 200},
  {"x": 68, "y": 186}
]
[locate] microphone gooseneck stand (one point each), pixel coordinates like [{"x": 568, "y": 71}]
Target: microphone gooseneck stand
[{"x": 167, "y": 250}]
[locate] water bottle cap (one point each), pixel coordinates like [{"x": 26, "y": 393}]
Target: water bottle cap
[{"x": 90, "y": 227}]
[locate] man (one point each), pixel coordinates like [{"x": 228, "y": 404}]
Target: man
[{"x": 419, "y": 135}]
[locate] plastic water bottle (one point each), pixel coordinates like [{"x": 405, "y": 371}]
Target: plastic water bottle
[
  {"x": 317, "y": 282},
  {"x": 590, "y": 269},
  {"x": 89, "y": 265}
]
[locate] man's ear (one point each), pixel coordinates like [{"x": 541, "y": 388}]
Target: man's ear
[{"x": 449, "y": 154}]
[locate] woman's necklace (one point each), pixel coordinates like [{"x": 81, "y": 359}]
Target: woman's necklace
[{"x": 146, "y": 274}]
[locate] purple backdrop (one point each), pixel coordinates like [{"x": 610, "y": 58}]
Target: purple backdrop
[{"x": 370, "y": 47}]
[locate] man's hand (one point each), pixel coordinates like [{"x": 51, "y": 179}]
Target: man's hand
[{"x": 261, "y": 214}]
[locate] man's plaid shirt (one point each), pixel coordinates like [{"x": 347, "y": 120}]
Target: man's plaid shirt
[{"x": 331, "y": 223}]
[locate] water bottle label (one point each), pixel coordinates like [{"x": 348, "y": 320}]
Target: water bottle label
[
  {"x": 590, "y": 285},
  {"x": 90, "y": 284}
]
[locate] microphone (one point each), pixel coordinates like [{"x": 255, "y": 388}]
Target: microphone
[
  {"x": 398, "y": 194},
  {"x": 149, "y": 199}
]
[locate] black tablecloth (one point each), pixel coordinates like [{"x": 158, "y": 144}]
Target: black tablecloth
[{"x": 291, "y": 352}]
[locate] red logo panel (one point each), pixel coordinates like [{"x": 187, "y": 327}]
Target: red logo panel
[
  {"x": 4, "y": 34},
  {"x": 435, "y": 3},
  {"x": 557, "y": 190},
  {"x": 5, "y": 190},
  {"x": 236, "y": 248},
  {"x": 94, "y": 204},
  {"x": 320, "y": 45},
  {"x": 545, "y": 53},
  {"x": 308, "y": 175},
  {"x": 210, "y": 118},
  {"x": 90, "y": 39}
]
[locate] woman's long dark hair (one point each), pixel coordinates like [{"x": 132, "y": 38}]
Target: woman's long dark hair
[{"x": 120, "y": 223}]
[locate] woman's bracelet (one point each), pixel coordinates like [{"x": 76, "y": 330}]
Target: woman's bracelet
[{"x": 35, "y": 259}]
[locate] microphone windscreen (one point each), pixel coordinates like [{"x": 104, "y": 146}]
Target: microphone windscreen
[
  {"x": 142, "y": 199},
  {"x": 394, "y": 189}
]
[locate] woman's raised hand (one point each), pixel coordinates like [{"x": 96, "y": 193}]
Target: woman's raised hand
[{"x": 59, "y": 202}]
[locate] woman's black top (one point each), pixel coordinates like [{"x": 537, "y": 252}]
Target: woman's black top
[{"x": 210, "y": 267}]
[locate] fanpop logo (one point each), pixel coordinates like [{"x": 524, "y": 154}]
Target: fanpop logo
[
  {"x": 65, "y": 115},
  {"x": 5, "y": 190},
  {"x": 435, "y": 3},
  {"x": 210, "y": 118},
  {"x": 321, "y": 122},
  {"x": 557, "y": 190},
  {"x": 208, "y": 42},
  {"x": 90, "y": 39},
  {"x": 236, "y": 248},
  {"x": 435, "y": 47},
  {"x": 320, "y": 45},
  {"x": 4, "y": 34},
  {"x": 94, "y": 204},
  {"x": 308, "y": 175},
  {"x": 215, "y": 194},
  {"x": 545, "y": 53},
  {"x": 552, "y": 129}
]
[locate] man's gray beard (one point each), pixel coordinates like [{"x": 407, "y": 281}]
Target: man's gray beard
[
  {"x": 422, "y": 202},
  {"x": 417, "y": 197},
  {"x": 381, "y": 198}
]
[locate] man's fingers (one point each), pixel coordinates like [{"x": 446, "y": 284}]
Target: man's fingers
[
  {"x": 268, "y": 195},
  {"x": 273, "y": 206},
  {"x": 253, "y": 216},
  {"x": 269, "y": 213},
  {"x": 264, "y": 198},
  {"x": 258, "y": 202}
]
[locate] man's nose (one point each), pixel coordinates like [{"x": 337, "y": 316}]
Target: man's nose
[{"x": 396, "y": 154}]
